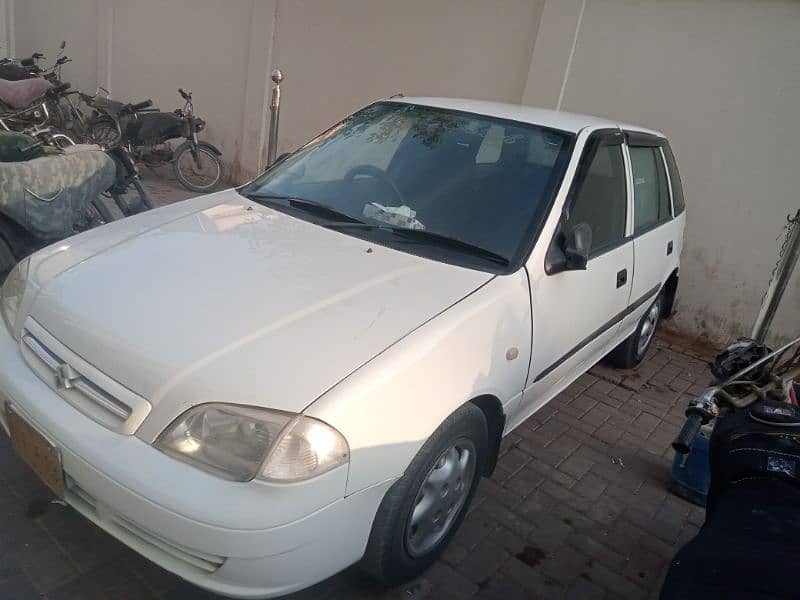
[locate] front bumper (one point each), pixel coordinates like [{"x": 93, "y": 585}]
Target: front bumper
[{"x": 163, "y": 509}]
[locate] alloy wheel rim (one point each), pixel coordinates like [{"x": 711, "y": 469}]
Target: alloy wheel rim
[
  {"x": 648, "y": 328},
  {"x": 441, "y": 497}
]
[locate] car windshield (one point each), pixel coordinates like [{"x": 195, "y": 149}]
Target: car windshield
[{"x": 473, "y": 189}]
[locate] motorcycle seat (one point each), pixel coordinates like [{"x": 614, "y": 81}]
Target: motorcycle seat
[{"x": 19, "y": 94}]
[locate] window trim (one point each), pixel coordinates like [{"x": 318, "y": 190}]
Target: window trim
[
  {"x": 673, "y": 164},
  {"x": 669, "y": 182},
  {"x": 637, "y": 139}
]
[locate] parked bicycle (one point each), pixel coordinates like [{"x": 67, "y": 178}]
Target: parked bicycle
[{"x": 146, "y": 131}]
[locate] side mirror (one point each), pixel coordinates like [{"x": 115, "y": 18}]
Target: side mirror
[
  {"x": 577, "y": 244},
  {"x": 63, "y": 44},
  {"x": 569, "y": 250}
]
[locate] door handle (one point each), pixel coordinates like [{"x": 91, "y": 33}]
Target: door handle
[
  {"x": 669, "y": 247},
  {"x": 622, "y": 278}
]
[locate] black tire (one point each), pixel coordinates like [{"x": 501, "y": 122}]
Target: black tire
[
  {"x": 189, "y": 179},
  {"x": 7, "y": 259},
  {"x": 388, "y": 557},
  {"x": 632, "y": 351},
  {"x": 103, "y": 130}
]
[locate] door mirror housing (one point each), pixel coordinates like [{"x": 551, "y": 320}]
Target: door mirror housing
[
  {"x": 577, "y": 244},
  {"x": 569, "y": 250}
]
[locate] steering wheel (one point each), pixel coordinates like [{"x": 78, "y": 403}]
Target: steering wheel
[{"x": 375, "y": 172}]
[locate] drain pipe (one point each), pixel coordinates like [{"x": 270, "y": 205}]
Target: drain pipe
[
  {"x": 275, "y": 113},
  {"x": 779, "y": 282}
]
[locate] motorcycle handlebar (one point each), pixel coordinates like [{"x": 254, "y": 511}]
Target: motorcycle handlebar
[{"x": 685, "y": 440}]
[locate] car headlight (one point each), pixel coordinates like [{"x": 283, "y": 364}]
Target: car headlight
[
  {"x": 12, "y": 291},
  {"x": 241, "y": 443}
]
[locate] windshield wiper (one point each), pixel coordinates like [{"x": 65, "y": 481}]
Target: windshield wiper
[
  {"x": 310, "y": 206},
  {"x": 428, "y": 237}
]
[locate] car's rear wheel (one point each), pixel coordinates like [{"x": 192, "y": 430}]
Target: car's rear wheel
[
  {"x": 632, "y": 351},
  {"x": 422, "y": 510}
]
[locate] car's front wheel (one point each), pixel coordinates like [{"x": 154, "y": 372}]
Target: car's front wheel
[{"x": 423, "y": 509}]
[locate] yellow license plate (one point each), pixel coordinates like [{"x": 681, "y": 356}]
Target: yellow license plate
[{"x": 38, "y": 453}]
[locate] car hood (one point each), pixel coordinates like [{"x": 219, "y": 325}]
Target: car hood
[{"x": 224, "y": 300}]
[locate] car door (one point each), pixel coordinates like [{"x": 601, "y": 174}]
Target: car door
[
  {"x": 655, "y": 239},
  {"x": 577, "y": 313}
]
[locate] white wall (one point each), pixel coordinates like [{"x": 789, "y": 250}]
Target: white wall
[
  {"x": 339, "y": 56},
  {"x": 41, "y": 25},
  {"x": 6, "y": 29},
  {"x": 720, "y": 77},
  {"x": 722, "y": 80}
]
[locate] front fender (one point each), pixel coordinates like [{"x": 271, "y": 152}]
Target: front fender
[
  {"x": 188, "y": 144},
  {"x": 389, "y": 407}
]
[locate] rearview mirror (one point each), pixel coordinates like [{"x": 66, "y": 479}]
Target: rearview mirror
[
  {"x": 569, "y": 250},
  {"x": 63, "y": 44}
]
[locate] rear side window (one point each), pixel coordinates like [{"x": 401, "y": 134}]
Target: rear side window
[
  {"x": 650, "y": 190},
  {"x": 675, "y": 180},
  {"x": 600, "y": 199}
]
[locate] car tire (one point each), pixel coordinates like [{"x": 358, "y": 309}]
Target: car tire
[
  {"x": 632, "y": 351},
  {"x": 404, "y": 540}
]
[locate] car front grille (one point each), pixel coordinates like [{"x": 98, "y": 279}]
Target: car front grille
[
  {"x": 145, "y": 542},
  {"x": 79, "y": 383}
]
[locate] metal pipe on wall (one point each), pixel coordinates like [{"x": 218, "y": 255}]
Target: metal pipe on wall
[
  {"x": 275, "y": 113},
  {"x": 780, "y": 281}
]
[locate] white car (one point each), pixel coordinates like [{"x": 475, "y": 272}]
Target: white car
[{"x": 259, "y": 387}]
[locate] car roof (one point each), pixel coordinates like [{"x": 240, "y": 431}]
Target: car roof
[{"x": 556, "y": 119}]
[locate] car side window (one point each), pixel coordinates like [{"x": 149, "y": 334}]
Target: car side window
[
  {"x": 600, "y": 198},
  {"x": 675, "y": 179},
  {"x": 650, "y": 190}
]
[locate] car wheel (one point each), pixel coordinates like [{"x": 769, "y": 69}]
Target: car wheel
[
  {"x": 632, "y": 351},
  {"x": 422, "y": 510}
]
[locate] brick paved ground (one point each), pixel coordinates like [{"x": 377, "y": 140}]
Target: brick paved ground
[{"x": 577, "y": 507}]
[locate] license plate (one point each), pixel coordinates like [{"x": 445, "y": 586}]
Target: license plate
[{"x": 38, "y": 453}]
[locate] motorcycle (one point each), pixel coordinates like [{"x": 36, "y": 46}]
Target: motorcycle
[
  {"x": 146, "y": 131},
  {"x": 28, "y": 67},
  {"x": 28, "y": 102},
  {"x": 747, "y": 547},
  {"x": 47, "y": 193}
]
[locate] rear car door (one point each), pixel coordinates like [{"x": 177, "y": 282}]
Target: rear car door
[
  {"x": 577, "y": 314},
  {"x": 656, "y": 240}
]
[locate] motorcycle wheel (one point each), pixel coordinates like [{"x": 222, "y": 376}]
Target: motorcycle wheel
[
  {"x": 103, "y": 130},
  {"x": 202, "y": 175}
]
